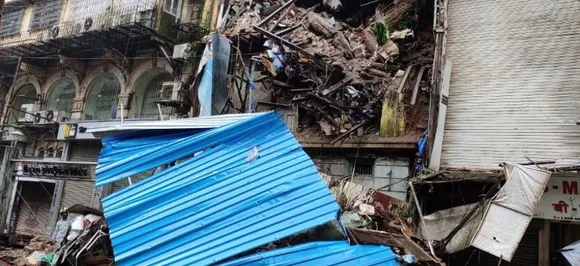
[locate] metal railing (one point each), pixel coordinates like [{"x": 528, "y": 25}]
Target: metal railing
[{"x": 119, "y": 13}]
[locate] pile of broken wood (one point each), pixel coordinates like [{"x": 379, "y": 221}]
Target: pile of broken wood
[{"x": 346, "y": 77}]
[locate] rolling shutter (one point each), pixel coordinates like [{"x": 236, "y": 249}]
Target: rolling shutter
[
  {"x": 81, "y": 192},
  {"x": 34, "y": 211},
  {"x": 85, "y": 151},
  {"x": 514, "y": 84}
]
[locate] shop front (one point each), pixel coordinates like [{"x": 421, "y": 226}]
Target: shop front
[
  {"x": 559, "y": 209},
  {"x": 41, "y": 188}
]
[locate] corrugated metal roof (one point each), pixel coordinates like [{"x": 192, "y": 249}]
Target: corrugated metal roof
[
  {"x": 216, "y": 204},
  {"x": 132, "y": 153},
  {"x": 322, "y": 253},
  {"x": 186, "y": 123},
  {"x": 513, "y": 92}
]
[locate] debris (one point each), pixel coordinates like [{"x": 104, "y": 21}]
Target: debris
[
  {"x": 355, "y": 220},
  {"x": 340, "y": 68},
  {"x": 402, "y": 34}
]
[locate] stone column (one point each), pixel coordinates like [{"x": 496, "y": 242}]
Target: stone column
[
  {"x": 77, "y": 110},
  {"x": 123, "y": 103}
]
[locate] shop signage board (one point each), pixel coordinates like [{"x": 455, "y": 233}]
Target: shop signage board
[
  {"x": 55, "y": 170},
  {"x": 561, "y": 199}
]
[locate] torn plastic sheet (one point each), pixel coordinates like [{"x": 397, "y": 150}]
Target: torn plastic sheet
[
  {"x": 511, "y": 210},
  {"x": 322, "y": 253}
]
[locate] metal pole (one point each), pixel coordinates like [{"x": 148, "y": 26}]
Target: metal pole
[
  {"x": 160, "y": 113},
  {"x": 421, "y": 217},
  {"x": 3, "y": 196}
]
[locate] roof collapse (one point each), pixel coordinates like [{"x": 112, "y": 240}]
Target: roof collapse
[{"x": 352, "y": 70}]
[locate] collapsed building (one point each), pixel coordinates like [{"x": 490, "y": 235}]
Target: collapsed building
[{"x": 377, "y": 93}]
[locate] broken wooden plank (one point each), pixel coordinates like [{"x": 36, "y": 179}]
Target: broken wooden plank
[
  {"x": 417, "y": 83},
  {"x": 404, "y": 80},
  {"x": 338, "y": 85},
  {"x": 321, "y": 25},
  {"x": 271, "y": 104},
  {"x": 283, "y": 84},
  {"x": 268, "y": 18}
]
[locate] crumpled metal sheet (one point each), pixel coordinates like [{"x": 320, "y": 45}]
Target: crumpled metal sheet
[
  {"x": 510, "y": 212},
  {"x": 572, "y": 253},
  {"x": 322, "y": 253},
  {"x": 248, "y": 185}
]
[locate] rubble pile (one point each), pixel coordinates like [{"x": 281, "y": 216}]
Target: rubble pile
[
  {"x": 372, "y": 217},
  {"x": 349, "y": 75},
  {"x": 31, "y": 254}
]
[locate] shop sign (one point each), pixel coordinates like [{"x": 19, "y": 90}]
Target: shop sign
[
  {"x": 70, "y": 131},
  {"x": 54, "y": 170},
  {"x": 561, "y": 199}
]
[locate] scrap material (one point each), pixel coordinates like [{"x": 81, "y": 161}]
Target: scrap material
[{"x": 247, "y": 185}]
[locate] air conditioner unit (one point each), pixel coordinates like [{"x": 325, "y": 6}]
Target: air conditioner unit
[
  {"x": 170, "y": 91},
  {"x": 179, "y": 50},
  {"x": 26, "y": 113},
  {"x": 14, "y": 134},
  {"x": 51, "y": 116}
]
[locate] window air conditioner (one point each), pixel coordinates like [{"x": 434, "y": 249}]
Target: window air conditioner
[
  {"x": 170, "y": 91},
  {"x": 26, "y": 113}
]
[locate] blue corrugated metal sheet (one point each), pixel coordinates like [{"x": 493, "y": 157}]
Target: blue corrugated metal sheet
[
  {"x": 152, "y": 151},
  {"x": 320, "y": 254},
  {"x": 216, "y": 204}
]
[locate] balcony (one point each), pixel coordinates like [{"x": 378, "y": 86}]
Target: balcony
[{"x": 81, "y": 24}]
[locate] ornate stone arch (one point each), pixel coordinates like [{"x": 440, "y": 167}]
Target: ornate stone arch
[
  {"x": 145, "y": 67},
  {"x": 23, "y": 81},
  {"x": 90, "y": 78},
  {"x": 56, "y": 76}
]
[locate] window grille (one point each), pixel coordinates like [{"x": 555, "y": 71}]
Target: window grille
[
  {"x": 62, "y": 95},
  {"x": 152, "y": 95}
]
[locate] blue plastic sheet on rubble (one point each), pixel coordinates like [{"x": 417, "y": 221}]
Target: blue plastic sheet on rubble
[
  {"x": 247, "y": 185},
  {"x": 321, "y": 253}
]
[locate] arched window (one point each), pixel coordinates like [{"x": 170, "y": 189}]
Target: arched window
[
  {"x": 59, "y": 153},
  {"x": 148, "y": 93},
  {"x": 22, "y": 99},
  {"x": 61, "y": 95},
  {"x": 102, "y": 97},
  {"x": 40, "y": 153},
  {"x": 50, "y": 152}
]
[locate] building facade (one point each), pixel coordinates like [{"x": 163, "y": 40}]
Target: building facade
[
  {"x": 505, "y": 98},
  {"x": 68, "y": 64}
]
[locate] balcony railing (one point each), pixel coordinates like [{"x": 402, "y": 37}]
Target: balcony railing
[{"x": 95, "y": 18}]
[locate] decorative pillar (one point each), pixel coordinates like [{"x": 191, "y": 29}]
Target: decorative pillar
[{"x": 77, "y": 110}]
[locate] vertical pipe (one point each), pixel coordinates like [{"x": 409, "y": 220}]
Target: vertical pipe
[{"x": 5, "y": 107}]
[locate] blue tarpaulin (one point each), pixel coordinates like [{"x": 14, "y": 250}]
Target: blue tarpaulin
[
  {"x": 321, "y": 253},
  {"x": 241, "y": 186}
]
